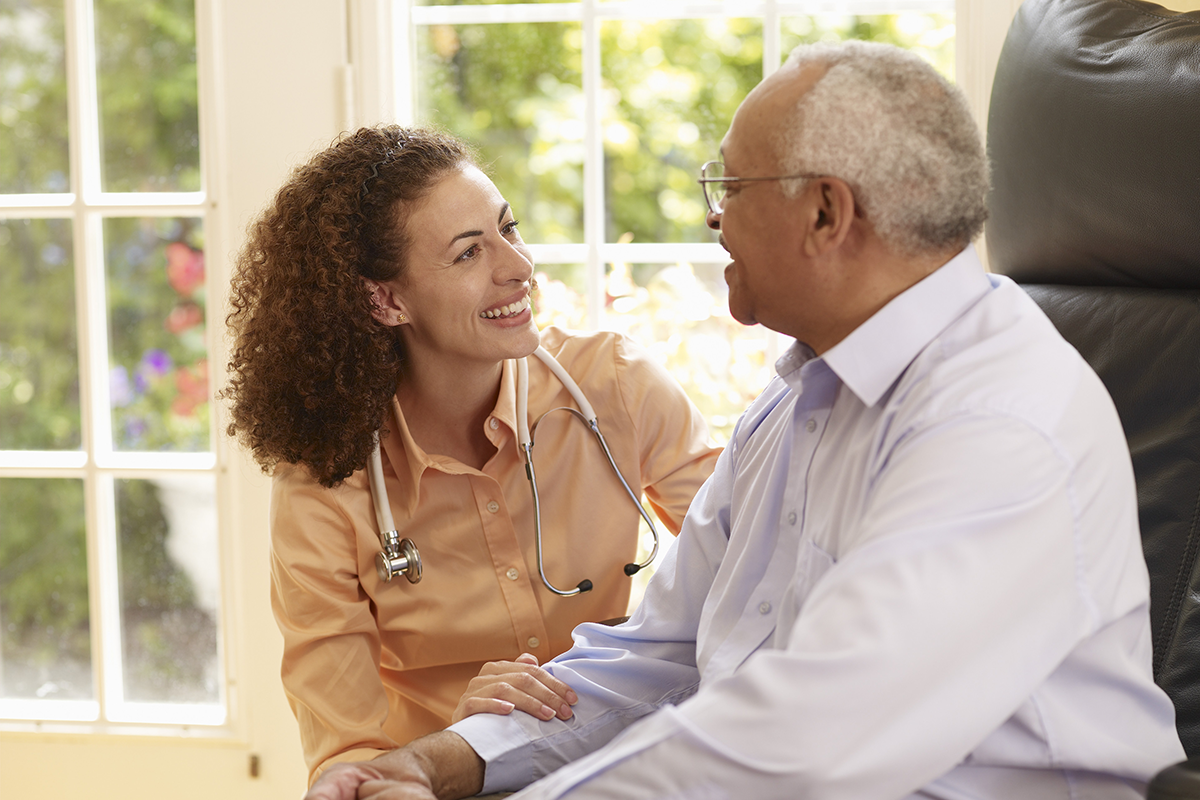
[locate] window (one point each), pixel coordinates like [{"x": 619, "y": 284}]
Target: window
[
  {"x": 110, "y": 592},
  {"x": 595, "y": 117}
]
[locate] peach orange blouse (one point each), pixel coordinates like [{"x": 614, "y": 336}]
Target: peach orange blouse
[{"x": 369, "y": 666}]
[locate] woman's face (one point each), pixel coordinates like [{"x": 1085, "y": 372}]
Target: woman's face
[{"x": 465, "y": 291}]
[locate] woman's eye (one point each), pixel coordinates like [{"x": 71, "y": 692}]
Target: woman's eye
[
  {"x": 469, "y": 253},
  {"x": 510, "y": 227}
]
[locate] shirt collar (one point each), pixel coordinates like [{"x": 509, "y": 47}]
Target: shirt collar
[
  {"x": 875, "y": 353},
  {"x": 409, "y": 461}
]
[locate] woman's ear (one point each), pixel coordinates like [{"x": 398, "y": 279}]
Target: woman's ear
[
  {"x": 832, "y": 217},
  {"x": 386, "y": 307}
]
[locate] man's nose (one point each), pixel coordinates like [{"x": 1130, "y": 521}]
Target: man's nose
[{"x": 713, "y": 220}]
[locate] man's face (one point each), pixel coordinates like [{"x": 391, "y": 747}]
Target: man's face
[{"x": 760, "y": 226}]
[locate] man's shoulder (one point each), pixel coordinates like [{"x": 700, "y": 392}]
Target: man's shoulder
[{"x": 1003, "y": 356}]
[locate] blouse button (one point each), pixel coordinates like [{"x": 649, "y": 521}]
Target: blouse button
[
  {"x": 533, "y": 641},
  {"x": 493, "y": 506},
  {"x": 493, "y": 423},
  {"x": 512, "y": 573},
  {"x": 764, "y": 607},
  {"x": 811, "y": 425},
  {"x": 792, "y": 518}
]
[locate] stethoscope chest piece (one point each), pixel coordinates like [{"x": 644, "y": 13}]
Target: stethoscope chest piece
[{"x": 398, "y": 557}]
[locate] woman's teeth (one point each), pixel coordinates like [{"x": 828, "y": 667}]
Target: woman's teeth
[{"x": 508, "y": 310}]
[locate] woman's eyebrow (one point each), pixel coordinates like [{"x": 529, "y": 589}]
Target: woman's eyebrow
[{"x": 468, "y": 234}]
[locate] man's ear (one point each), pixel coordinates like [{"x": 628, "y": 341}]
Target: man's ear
[
  {"x": 831, "y": 216},
  {"x": 386, "y": 307}
]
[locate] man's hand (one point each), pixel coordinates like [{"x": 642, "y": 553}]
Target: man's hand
[
  {"x": 440, "y": 766},
  {"x": 502, "y": 686}
]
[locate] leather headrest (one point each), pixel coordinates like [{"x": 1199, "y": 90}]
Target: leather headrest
[{"x": 1094, "y": 141}]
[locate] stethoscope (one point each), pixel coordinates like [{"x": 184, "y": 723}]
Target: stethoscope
[{"x": 401, "y": 557}]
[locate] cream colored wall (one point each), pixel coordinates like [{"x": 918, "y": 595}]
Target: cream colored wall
[{"x": 278, "y": 95}]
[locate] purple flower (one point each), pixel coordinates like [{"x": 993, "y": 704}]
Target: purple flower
[
  {"x": 120, "y": 391},
  {"x": 155, "y": 363}
]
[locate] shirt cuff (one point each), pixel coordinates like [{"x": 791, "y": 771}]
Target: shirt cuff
[{"x": 504, "y": 747}]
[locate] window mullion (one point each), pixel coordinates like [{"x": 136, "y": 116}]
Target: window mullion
[
  {"x": 593, "y": 163},
  {"x": 404, "y": 71},
  {"x": 772, "y": 48}
]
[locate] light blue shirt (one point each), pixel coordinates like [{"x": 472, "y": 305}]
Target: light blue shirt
[{"x": 916, "y": 572}]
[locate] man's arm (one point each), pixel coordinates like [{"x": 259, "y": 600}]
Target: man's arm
[{"x": 441, "y": 765}]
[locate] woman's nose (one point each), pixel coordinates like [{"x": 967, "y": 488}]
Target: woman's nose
[{"x": 517, "y": 264}]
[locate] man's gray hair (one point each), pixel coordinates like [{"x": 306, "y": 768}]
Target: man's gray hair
[{"x": 883, "y": 120}]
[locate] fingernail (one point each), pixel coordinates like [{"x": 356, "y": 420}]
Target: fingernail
[
  {"x": 508, "y": 707},
  {"x": 572, "y": 698},
  {"x": 547, "y": 712},
  {"x": 565, "y": 712}
]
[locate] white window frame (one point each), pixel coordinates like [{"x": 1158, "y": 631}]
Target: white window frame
[{"x": 97, "y": 464}]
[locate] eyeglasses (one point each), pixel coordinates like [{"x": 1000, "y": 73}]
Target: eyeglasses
[{"x": 713, "y": 175}]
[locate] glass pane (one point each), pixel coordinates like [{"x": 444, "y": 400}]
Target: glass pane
[
  {"x": 147, "y": 91},
  {"x": 514, "y": 90},
  {"x": 158, "y": 359},
  {"x": 680, "y": 313},
  {"x": 45, "y": 645},
  {"x": 39, "y": 362},
  {"x": 170, "y": 589},
  {"x": 671, "y": 88},
  {"x": 561, "y": 298},
  {"x": 929, "y": 35},
  {"x": 33, "y": 98}
]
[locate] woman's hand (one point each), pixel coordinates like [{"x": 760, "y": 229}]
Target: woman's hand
[{"x": 502, "y": 686}]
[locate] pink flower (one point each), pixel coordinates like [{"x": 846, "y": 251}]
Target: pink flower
[
  {"x": 192, "y": 385},
  {"x": 183, "y": 316},
  {"x": 185, "y": 268}
]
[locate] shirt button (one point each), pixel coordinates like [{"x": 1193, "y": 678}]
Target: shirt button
[
  {"x": 533, "y": 641},
  {"x": 811, "y": 425},
  {"x": 493, "y": 423},
  {"x": 493, "y": 506},
  {"x": 512, "y": 573},
  {"x": 792, "y": 518},
  {"x": 764, "y": 607}
]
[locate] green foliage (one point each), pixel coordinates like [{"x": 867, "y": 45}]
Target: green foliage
[
  {"x": 148, "y": 95},
  {"x": 33, "y": 97},
  {"x": 39, "y": 363},
  {"x": 168, "y": 643},
  {"x": 44, "y": 630},
  {"x": 670, "y": 88}
]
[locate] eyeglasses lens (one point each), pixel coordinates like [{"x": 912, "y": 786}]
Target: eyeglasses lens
[{"x": 715, "y": 191}]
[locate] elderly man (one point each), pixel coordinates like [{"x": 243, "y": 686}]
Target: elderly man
[{"x": 916, "y": 571}]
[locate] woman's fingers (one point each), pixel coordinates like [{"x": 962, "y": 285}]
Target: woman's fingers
[{"x": 503, "y": 686}]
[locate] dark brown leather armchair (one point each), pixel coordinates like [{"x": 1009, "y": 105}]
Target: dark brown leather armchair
[{"x": 1094, "y": 139}]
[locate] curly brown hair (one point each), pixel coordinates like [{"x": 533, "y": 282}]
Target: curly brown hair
[{"x": 312, "y": 374}]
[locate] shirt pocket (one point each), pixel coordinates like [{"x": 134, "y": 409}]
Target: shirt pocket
[{"x": 812, "y": 563}]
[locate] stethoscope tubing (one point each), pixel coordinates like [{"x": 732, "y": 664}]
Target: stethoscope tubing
[{"x": 400, "y": 556}]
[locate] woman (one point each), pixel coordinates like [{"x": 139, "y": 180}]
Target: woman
[{"x": 388, "y": 290}]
